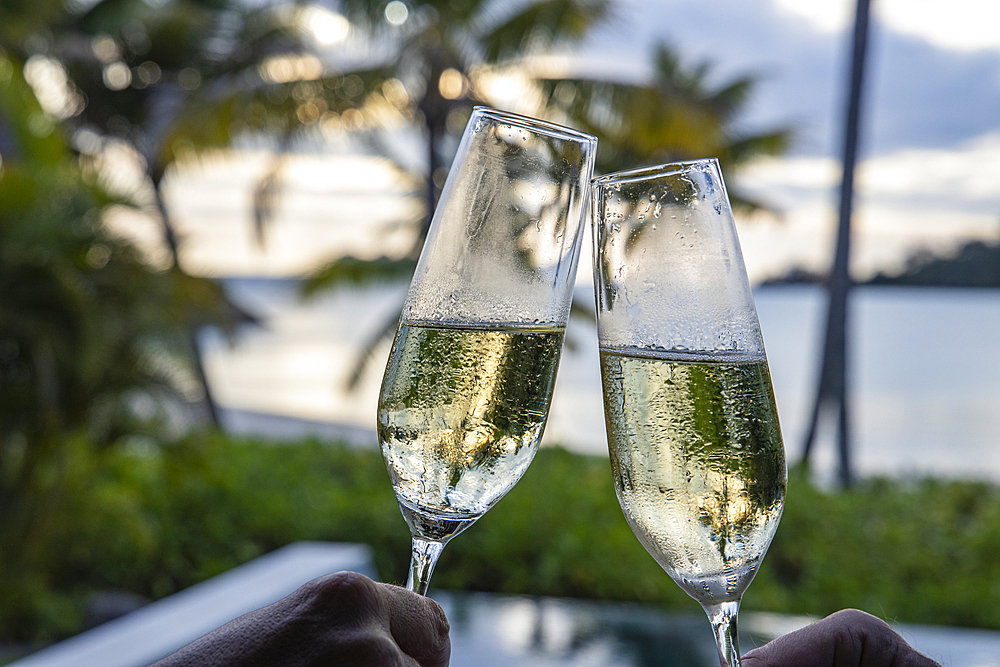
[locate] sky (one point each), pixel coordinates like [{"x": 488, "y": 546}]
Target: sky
[
  {"x": 929, "y": 171},
  {"x": 931, "y": 83}
]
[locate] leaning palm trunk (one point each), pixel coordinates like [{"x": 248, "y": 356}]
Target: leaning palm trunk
[
  {"x": 193, "y": 328},
  {"x": 166, "y": 107}
]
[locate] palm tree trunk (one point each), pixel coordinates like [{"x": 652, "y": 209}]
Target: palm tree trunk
[
  {"x": 434, "y": 109},
  {"x": 164, "y": 109},
  {"x": 170, "y": 237},
  {"x": 833, "y": 374}
]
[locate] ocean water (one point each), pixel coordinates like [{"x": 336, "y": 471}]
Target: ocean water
[
  {"x": 924, "y": 372},
  {"x": 924, "y": 376}
]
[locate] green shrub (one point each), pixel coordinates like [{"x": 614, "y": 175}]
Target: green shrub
[
  {"x": 919, "y": 551},
  {"x": 154, "y": 520}
]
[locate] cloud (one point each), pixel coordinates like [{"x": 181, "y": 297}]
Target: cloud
[
  {"x": 918, "y": 95},
  {"x": 967, "y": 176},
  {"x": 919, "y": 92},
  {"x": 906, "y": 200},
  {"x": 961, "y": 180},
  {"x": 959, "y": 25},
  {"x": 825, "y": 15}
]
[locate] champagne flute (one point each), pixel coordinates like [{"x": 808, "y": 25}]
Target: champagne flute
[
  {"x": 467, "y": 387},
  {"x": 696, "y": 449}
]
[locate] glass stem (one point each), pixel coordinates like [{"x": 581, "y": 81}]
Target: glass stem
[
  {"x": 423, "y": 558},
  {"x": 723, "y": 618}
]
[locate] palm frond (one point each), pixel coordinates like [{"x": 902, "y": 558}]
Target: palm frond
[
  {"x": 677, "y": 115},
  {"x": 541, "y": 24},
  {"x": 744, "y": 149},
  {"x": 353, "y": 271},
  {"x": 367, "y": 352}
]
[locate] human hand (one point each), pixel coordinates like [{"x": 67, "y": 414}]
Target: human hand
[
  {"x": 848, "y": 638},
  {"x": 343, "y": 619}
]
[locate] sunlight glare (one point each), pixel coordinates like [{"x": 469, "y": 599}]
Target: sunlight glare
[
  {"x": 396, "y": 13},
  {"x": 509, "y": 88},
  {"x": 52, "y": 87},
  {"x": 451, "y": 85},
  {"x": 325, "y": 26},
  {"x": 287, "y": 68}
]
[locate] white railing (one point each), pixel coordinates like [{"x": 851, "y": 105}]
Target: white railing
[{"x": 160, "y": 628}]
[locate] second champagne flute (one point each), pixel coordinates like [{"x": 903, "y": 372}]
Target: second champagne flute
[
  {"x": 469, "y": 379},
  {"x": 696, "y": 451}
]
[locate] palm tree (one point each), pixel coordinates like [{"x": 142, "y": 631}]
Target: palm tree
[
  {"x": 187, "y": 76},
  {"x": 90, "y": 337},
  {"x": 437, "y": 45},
  {"x": 675, "y": 116},
  {"x": 437, "y": 48}
]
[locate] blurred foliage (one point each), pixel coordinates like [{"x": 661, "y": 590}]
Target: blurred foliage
[
  {"x": 912, "y": 551},
  {"x": 137, "y": 86},
  {"x": 177, "y": 76},
  {"x": 155, "y": 520},
  {"x": 93, "y": 341},
  {"x": 440, "y": 48}
]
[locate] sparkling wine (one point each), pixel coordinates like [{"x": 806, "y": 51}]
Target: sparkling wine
[
  {"x": 461, "y": 413},
  {"x": 698, "y": 462}
]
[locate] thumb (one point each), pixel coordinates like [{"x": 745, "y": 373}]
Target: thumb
[{"x": 418, "y": 626}]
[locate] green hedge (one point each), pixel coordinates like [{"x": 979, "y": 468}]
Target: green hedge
[{"x": 155, "y": 520}]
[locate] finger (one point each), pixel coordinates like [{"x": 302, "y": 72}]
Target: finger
[
  {"x": 805, "y": 647},
  {"x": 418, "y": 625},
  {"x": 352, "y": 614},
  {"x": 848, "y": 638}
]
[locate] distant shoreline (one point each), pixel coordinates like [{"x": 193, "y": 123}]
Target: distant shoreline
[{"x": 976, "y": 265}]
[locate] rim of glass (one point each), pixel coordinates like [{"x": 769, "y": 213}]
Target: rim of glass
[
  {"x": 656, "y": 171},
  {"x": 535, "y": 124}
]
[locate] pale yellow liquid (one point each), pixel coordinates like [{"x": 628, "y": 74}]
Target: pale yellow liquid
[
  {"x": 462, "y": 410},
  {"x": 698, "y": 463}
]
